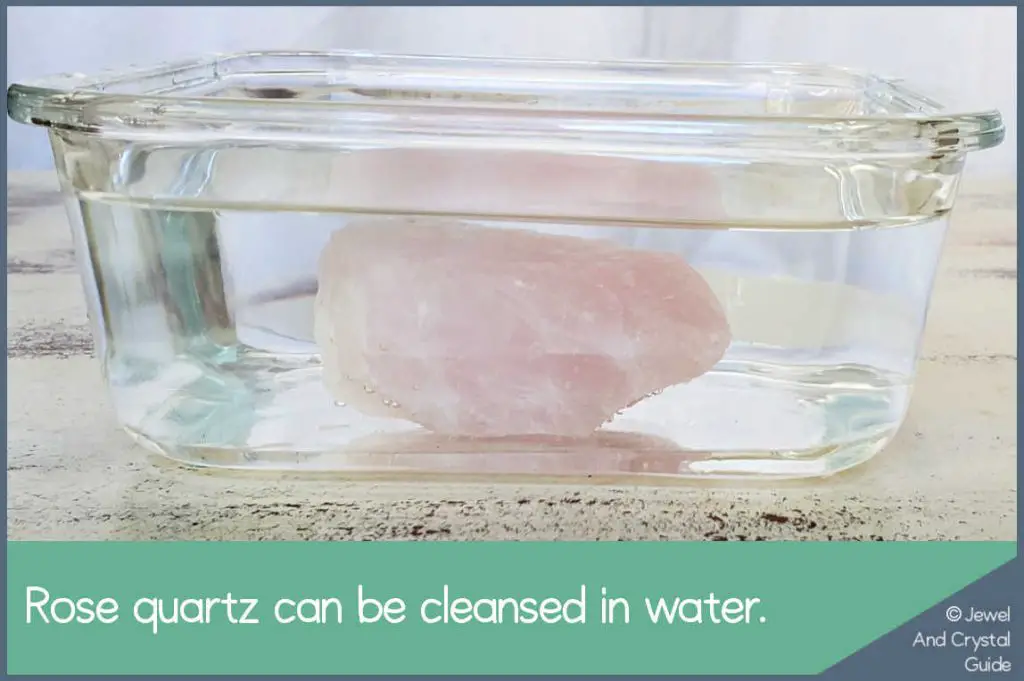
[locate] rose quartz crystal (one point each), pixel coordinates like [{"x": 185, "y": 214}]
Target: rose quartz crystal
[{"x": 486, "y": 332}]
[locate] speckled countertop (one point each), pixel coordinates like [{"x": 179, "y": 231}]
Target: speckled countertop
[{"x": 72, "y": 474}]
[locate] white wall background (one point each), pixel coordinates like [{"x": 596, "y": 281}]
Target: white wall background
[{"x": 966, "y": 56}]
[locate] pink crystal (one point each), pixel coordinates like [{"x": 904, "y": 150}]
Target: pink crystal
[{"x": 487, "y": 332}]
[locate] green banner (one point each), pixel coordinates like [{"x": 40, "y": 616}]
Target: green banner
[{"x": 455, "y": 608}]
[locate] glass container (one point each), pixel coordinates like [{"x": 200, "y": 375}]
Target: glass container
[{"x": 385, "y": 264}]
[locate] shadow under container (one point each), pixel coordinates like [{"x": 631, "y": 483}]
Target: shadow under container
[{"x": 395, "y": 264}]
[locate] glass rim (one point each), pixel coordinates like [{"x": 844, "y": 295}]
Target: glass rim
[{"x": 128, "y": 104}]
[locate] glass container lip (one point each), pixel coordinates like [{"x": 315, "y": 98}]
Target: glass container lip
[{"x": 165, "y": 103}]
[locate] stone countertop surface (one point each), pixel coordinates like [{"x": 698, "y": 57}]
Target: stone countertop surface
[{"x": 72, "y": 474}]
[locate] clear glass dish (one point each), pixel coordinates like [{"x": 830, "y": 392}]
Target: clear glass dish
[{"x": 396, "y": 264}]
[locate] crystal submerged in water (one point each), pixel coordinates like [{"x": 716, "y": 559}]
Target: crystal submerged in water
[
  {"x": 487, "y": 332},
  {"x": 815, "y": 377}
]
